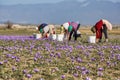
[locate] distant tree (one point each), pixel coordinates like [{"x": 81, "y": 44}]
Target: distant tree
[{"x": 9, "y": 24}]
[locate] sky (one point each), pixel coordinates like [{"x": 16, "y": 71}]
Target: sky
[
  {"x": 19, "y": 17},
  {"x": 13, "y": 2}
]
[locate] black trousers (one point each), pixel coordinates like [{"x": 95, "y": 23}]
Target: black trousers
[
  {"x": 75, "y": 33},
  {"x": 104, "y": 31}
]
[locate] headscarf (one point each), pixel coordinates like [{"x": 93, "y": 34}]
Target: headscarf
[{"x": 93, "y": 29}]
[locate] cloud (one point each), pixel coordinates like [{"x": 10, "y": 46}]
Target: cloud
[
  {"x": 82, "y": 0},
  {"x": 85, "y": 4},
  {"x": 114, "y": 1},
  {"x": 11, "y": 2}
]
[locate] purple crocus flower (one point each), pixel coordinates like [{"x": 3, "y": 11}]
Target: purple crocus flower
[
  {"x": 5, "y": 61},
  {"x": 79, "y": 59},
  {"x": 8, "y": 55},
  {"x": 85, "y": 72},
  {"x": 108, "y": 63},
  {"x": 37, "y": 55},
  {"x": 75, "y": 74},
  {"x": 35, "y": 59},
  {"x": 49, "y": 60},
  {"x": 13, "y": 57},
  {"x": 36, "y": 70},
  {"x": 24, "y": 71},
  {"x": 63, "y": 76},
  {"x": 51, "y": 54},
  {"x": 1, "y": 63},
  {"x": 28, "y": 75},
  {"x": 118, "y": 57},
  {"x": 100, "y": 53},
  {"x": 13, "y": 68},
  {"x": 17, "y": 60},
  {"x": 83, "y": 68},
  {"x": 112, "y": 56},
  {"x": 102, "y": 59},
  {"x": 77, "y": 67},
  {"x": 5, "y": 37},
  {"x": 87, "y": 78},
  {"x": 100, "y": 69},
  {"x": 93, "y": 59},
  {"x": 59, "y": 55},
  {"x": 87, "y": 54}
]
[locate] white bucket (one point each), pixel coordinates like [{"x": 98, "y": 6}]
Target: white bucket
[
  {"x": 92, "y": 39},
  {"x": 54, "y": 37},
  {"x": 60, "y": 37},
  {"x": 37, "y": 36}
]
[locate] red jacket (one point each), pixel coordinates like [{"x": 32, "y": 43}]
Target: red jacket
[{"x": 98, "y": 27}]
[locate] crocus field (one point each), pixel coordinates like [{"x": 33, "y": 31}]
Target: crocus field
[{"x": 24, "y": 58}]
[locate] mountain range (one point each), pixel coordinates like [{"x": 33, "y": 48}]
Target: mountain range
[{"x": 87, "y": 12}]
